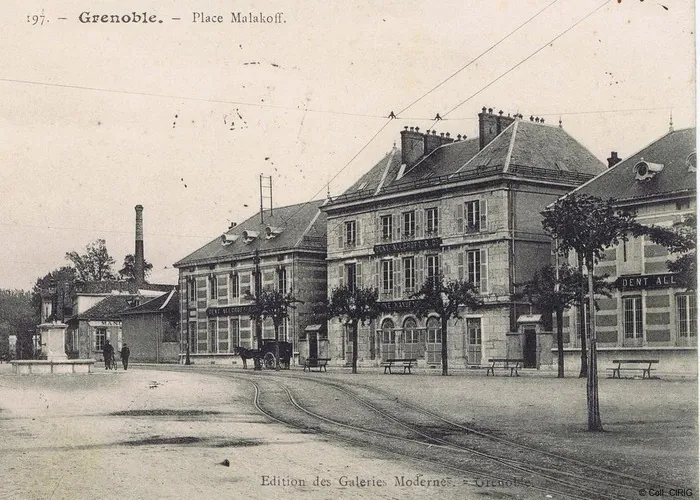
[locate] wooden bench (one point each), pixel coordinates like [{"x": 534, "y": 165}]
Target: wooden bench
[
  {"x": 506, "y": 363},
  {"x": 319, "y": 363},
  {"x": 405, "y": 363},
  {"x": 644, "y": 366}
]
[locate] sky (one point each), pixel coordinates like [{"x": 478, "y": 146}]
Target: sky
[{"x": 183, "y": 117}]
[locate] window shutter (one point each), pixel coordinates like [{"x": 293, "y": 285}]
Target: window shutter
[
  {"x": 419, "y": 223},
  {"x": 396, "y": 222},
  {"x": 419, "y": 261},
  {"x": 484, "y": 257},
  {"x": 397, "y": 278},
  {"x": 460, "y": 218},
  {"x": 439, "y": 222},
  {"x": 358, "y": 233},
  {"x": 359, "y": 282},
  {"x": 341, "y": 226},
  {"x": 378, "y": 229},
  {"x": 460, "y": 265},
  {"x": 483, "y": 223},
  {"x": 341, "y": 274},
  {"x": 376, "y": 274}
]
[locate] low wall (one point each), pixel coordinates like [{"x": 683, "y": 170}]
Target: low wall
[{"x": 44, "y": 366}]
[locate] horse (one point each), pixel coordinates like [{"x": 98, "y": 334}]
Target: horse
[{"x": 246, "y": 354}]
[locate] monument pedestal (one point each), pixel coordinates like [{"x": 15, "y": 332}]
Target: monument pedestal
[{"x": 53, "y": 341}]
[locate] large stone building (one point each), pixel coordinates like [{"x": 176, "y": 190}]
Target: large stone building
[
  {"x": 467, "y": 208},
  {"x": 649, "y": 315},
  {"x": 283, "y": 249}
]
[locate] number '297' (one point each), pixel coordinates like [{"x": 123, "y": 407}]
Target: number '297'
[{"x": 37, "y": 19}]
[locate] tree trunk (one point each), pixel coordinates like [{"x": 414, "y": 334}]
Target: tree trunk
[
  {"x": 354, "y": 346},
  {"x": 560, "y": 342},
  {"x": 444, "y": 345},
  {"x": 187, "y": 354},
  {"x": 257, "y": 361},
  {"x": 582, "y": 319},
  {"x": 594, "y": 422},
  {"x": 277, "y": 345}
]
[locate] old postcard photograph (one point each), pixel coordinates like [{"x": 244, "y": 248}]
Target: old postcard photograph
[{"x": 380, "y": 249}]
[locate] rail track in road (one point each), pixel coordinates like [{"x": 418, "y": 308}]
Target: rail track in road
[{"x": 406, "y": 430}]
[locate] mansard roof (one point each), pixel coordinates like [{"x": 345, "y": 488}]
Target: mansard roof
[
  {"x": 303, "y": 227},
  {"x": 672, "y": 150}
]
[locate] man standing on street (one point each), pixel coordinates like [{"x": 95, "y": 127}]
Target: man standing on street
[
  {"x": 108, "y": 355},
  {"x": 125, "y": 356}
]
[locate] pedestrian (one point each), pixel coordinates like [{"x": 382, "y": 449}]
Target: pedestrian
[
  {"x": 125, "y": 353},
  {"x": 108, "y": 354}
]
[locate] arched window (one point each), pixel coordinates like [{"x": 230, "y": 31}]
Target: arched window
[
  {"x": 410, "y": 328},
  {"x": 433, "y": 347},
  {"x": 388, "y": 336}
]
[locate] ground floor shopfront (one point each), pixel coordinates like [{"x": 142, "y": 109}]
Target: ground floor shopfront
[{"x": 471, "y": 339}]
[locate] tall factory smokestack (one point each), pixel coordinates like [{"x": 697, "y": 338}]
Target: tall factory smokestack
[{"x": 138, "y": 253}]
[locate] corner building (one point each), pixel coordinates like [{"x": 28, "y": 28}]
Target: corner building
[
  {"x": 649, "y": 315},
  {"x": 467, "y": 208},
  {"x": 286, "y": 251}
]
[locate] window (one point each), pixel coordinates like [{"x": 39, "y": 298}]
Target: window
[
  {"x": 388, "y": 332},
  {"x": 473, "y": 216},
  {"x": 431, "y": 220},
  {"x": 432, "y": 266},
  {"x": 212, "y": 335},
  {"x": 409, "y": 273},
  {"x": 686, "y": 317},
  {"x": 282, "y": 280},
  {"x": 351, "y": 275},
  {"x": 350, "y": 233},
  {"x": 100, "y": 338},
  {"x": 433, "y": 350},
  {"x": 387, "y": 276},
  {"x": 434, "y": 331},
  {"x": 235, "y": 287},
  {"x": 222, "y": 286},
  {"x": 411, "y": 332},
  {"x": 632, "y": 307},
  {"x": 212, "y": 287},
  {"x": 192, "y": 289},
  {"x": 387, "y": 227},
  {"x": 409, "y": 224},
  {"x": 223, "y": 337},
  {"x": 234, "y": 328},
  {"x": 474, "y": 267}
]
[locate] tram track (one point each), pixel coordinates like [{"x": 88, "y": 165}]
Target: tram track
[
  {"x": 609, "y": 482},
  {"x": 586, "y": 491}
]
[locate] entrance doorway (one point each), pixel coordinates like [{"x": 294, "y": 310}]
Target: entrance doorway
[
  {"x": 313, "y": 345},
  {"x": 530, "y": 347},
  {"x": 474, "y": 338}
]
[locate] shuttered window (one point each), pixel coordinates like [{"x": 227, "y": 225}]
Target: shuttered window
[
  {"x": 387, "y": 276},
  {"x": 431, "y": 221},
  {"x": 476, "y": 268}
]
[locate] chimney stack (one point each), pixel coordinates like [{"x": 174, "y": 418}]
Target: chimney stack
[
  {"x": 412, "y": 146},
  {"x": 491, "y": 125},
  {"x": 613, "y": 160},
  {"x": 139, "y": 276}
]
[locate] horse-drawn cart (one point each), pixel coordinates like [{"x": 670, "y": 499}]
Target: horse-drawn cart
[{"x": 267, "y": 354}]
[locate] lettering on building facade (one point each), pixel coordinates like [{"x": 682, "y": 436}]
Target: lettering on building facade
[
  {"x": 230, "y": 310},
  {"x": 407, "y": 246},
  {"x": 646, "y": 282}
]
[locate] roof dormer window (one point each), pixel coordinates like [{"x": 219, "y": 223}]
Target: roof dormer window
[{"x": 645, "y": 170}]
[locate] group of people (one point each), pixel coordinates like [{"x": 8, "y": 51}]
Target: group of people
[{"x": 108, "y": 354}]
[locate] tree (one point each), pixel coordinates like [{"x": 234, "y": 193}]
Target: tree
[
  {"x": 127, "y": 270},
  {"x": 587, "y": 225},
  {"x": 445, "y": 299},
  {"x": 58, "y": 280},
  {"x": 95, "y": 264},
  {"x": 680, "y": 239},
  {"x": 353, "y": 305},
  {"x": 275, "y": 305},
  {"x": 19, "y": 317},
  {"x": 551, "y": 291}
]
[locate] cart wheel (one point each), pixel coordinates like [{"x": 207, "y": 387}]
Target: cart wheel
[{"x": 269, "y": 360}]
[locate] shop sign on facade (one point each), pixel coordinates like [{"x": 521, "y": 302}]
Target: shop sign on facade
[
  {"x": 230, "y": 310},
  {"x": 646, "y": 282},
  {"x": 407, "y": 246}
]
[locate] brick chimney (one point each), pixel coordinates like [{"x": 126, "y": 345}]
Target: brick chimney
[
  {"x": 139, "y": 275},
  {"x": 412, "y": 146},
  {"x": 613, "y": 160},
  {"x": 490, "y": 125}
]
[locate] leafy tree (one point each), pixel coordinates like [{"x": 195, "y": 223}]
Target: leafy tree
[
  {"x": 587, "y": 225},
  {"x": 353, "y": 305},
  {"x": 275, "y": 305},
  {"x": 56, "y": 279},
  {"x": 550, "y": 292},
  {"x": 19, "y": 317},
  {"x": 445, "y": 298},
  {"x": 681, "y": 239},
  {"x": 127, "y": 270},
  {"x": 95, "y": 264}
]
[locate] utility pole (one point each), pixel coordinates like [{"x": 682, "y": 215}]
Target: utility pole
[{"x": 265, "y": 194}]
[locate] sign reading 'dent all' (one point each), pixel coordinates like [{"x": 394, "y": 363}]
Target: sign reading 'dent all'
[{"x": 646, "y": 281}]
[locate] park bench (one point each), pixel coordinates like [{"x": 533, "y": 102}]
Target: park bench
[
  {"x": 319, "y": 363},
  {"x": 405, "y": 363},
  {"x": 643, "y": 364},
  {"x": 506, "y": 363}
]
